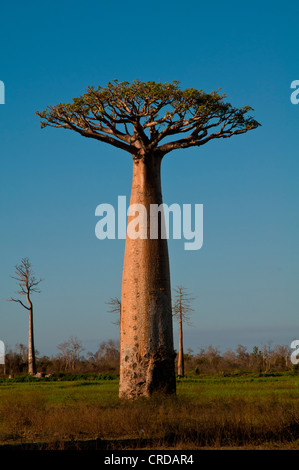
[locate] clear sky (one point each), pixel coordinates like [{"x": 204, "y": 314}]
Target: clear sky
[{"x": 245, "y": 276}]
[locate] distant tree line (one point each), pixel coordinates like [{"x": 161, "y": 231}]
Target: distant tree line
[
  {"x": 71, "y": 359},
  {"x": 266, "y": 358}
]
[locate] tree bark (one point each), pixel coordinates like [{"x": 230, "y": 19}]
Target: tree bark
[
  {"x": 146, "y": 332},
  {"x": 31, "y": 352}
]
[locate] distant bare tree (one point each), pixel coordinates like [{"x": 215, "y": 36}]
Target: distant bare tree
[
  {"x": 70, "y": 352},
  {"x": 28, "y": 284},
  {"x": 115, "y": 307},
  {"x": 181, "y": 311},
  {"x": 64, "y": 354},
  {"x": 75, "y": 349},
  {"x": 267, "y": 355}
]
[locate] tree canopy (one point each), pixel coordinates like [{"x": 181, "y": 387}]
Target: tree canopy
[
  {"x": 143, "y": 117},
  {"x": 182, "y": 305},
  {"x": 27, "y": 281}
]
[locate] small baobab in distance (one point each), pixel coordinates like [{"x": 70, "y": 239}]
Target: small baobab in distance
[
  {"x": 181, "y": 311},
  {"x": 148, "y": 120},
  {"x": 28, "y": 284}
]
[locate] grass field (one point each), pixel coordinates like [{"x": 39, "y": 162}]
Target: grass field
[{"x": 247, "y": 412}]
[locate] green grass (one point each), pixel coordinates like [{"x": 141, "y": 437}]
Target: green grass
[
  {"x": 250, "y": 388},
  {"x": 207, "y": 412}
]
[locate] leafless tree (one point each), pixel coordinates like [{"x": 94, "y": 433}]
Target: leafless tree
[
  {"x": 70, "y": 352},
  {"x": 28, "y": 284},
  {"x": 181, "y": 311},
  {"x": 267, "y": 355},
  {"x": 115, "y": 307}
]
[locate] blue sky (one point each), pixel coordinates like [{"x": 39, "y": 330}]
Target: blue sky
[{"x": 245, "y": 276}]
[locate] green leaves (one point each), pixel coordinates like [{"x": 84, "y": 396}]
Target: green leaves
[{"x": 141, "y": 114}]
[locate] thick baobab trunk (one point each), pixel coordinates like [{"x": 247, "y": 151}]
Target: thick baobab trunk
[
  {"x": 181, "y": 351},
  {"x": 146, "y": 335},
  {"x": 31, "y": 354}
]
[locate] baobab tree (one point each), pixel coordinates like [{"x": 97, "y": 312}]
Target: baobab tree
[
  {"x": 28, "y": 284},
  {"x": 142, "y": 119},
  {"x": 181, "y": 311}
]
